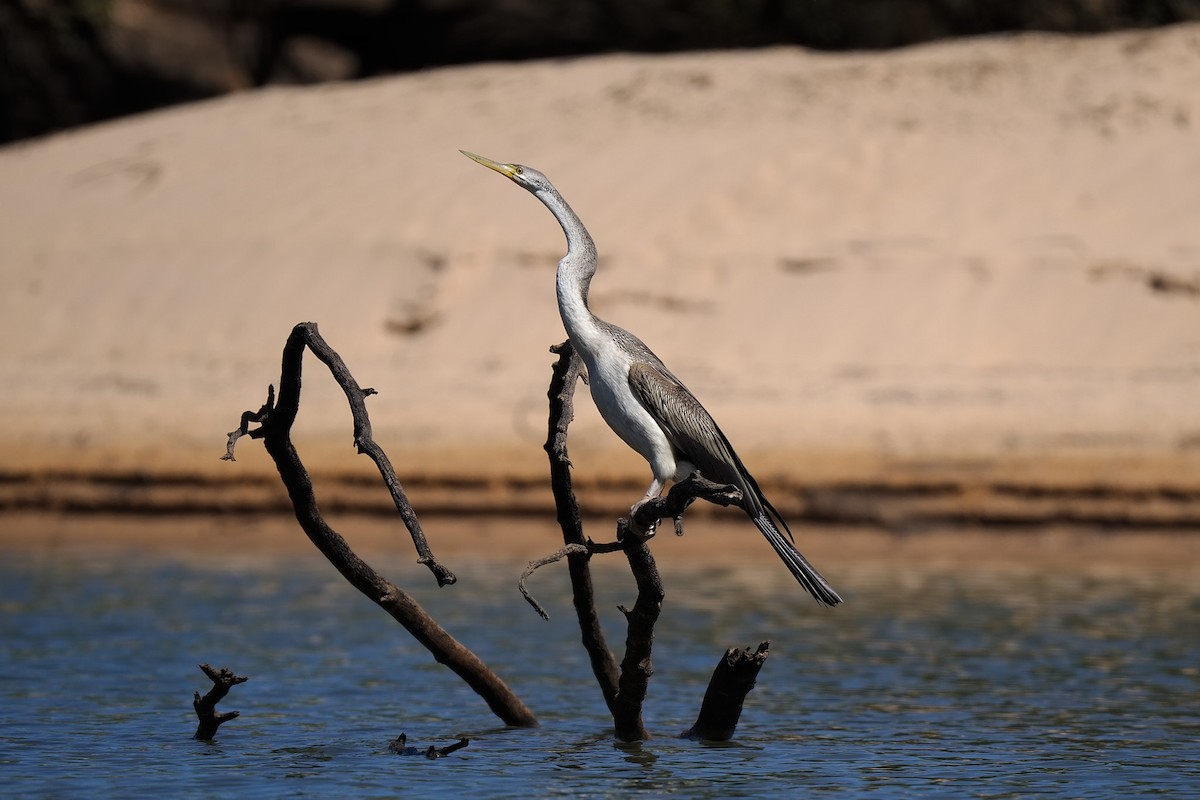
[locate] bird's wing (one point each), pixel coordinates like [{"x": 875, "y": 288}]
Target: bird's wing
[
  {"x": 694, "y": 433},
  {"x": 690, "y": 428}
]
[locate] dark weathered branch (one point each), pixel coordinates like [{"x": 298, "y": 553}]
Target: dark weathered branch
[
  {"x": 244, "y": 428},
  {"x": 646, "y": 516},
  {"x": 633, "y": 532},
  {"x": 731, "y": 681},
  {"x": 588, "y": 550},
  {"x": 400, "y": 747},
  {"x": 284, "y": 414},
  {"x": 636, "y": 667},
  {"x": 565, "y": 375},
  {"x": 366, "y": 444},
  {"x": 206, "y": 707},
  {"x": 625, "y": 688},
  {"x": 557, "y": 555},
  {"x": 275, "y": 431}
]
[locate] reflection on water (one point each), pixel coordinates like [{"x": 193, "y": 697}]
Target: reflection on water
[{"x": 932, "y": 685}]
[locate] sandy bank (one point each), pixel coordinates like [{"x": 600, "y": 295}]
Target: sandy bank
[
  {"x": 465, "y": 543},
  {"x": 972, "y": 264}
]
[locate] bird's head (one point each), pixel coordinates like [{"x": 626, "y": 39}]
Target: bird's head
[{"x": 527, "y": 177}]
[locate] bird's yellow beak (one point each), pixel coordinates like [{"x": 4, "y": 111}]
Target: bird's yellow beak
[{"x": 507, "y": 170}]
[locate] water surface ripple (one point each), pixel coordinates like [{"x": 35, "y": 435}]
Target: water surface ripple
[{"x": 965, "y": 684}]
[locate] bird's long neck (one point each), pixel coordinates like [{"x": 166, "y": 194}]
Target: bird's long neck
[{"x": 575, "y": 272}]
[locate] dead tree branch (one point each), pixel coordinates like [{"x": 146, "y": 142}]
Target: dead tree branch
[
  {"x": 275, "y": 424},
  {"x": 625, "y": 688},
  {"x": 731, "y": 681},
  {"x": 401, "y": 747},
  {"x": 206, "y": 707},
  {"x": 633, "y": 533},
  {"x": 565, "y": 375},
  {"x": 647, "y": 515},
  {"x": 636, "y": 667},
  {"x": 283, "y": 416},
  {"x": 557, "y": 555}
]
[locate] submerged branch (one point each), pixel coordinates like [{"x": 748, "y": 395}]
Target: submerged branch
[
  {"x": 565, "y": 375},
  {"x": 275, "y": 431},
  {"x": 206, "y": 707},
  {"x": 624, "y": 687},
  {"x": 401, "y": 747},
  {"x": 731, "y": 681},
  {"x": 636, "y": 667}
]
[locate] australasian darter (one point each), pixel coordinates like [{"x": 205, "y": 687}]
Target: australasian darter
[{"x": 639, "y": 398}]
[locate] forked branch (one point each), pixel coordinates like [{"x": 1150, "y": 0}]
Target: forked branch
[
  {"x": 206, "y": 707},
  {"x": 282, "y": 415},
  {"x": 275, "y": 421},
  {"x": 624, "y": 687}
]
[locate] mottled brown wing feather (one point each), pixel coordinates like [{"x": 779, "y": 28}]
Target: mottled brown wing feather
[{"x": 691, "y": 429}]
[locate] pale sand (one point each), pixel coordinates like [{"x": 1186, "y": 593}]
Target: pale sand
[{"x": 977, "y": 259}]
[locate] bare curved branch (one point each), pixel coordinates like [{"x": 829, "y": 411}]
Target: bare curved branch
[{"x": 275, "y": 431}]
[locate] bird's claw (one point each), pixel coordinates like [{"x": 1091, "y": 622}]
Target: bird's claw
[{"x": 646, "y": 532}]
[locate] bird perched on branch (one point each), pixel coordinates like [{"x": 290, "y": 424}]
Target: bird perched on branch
[{"x": 639, "y": 398}]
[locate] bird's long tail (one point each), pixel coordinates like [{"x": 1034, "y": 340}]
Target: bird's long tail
[{"x": 808, "y": 577}]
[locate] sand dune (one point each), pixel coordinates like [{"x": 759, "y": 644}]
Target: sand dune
[{"x": 973, "y": 261}]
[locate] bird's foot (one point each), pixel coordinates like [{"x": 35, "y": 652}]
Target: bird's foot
[
  {"x": 648, "y": 531},
  {"x": 679, "y": 525}
]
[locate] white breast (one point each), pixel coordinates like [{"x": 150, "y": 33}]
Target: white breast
[{"x": 608, "y": 379}]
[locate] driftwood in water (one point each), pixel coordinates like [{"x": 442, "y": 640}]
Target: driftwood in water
[
  {"x": 401, "y": 747},
  {"x": 622, "y": 685},
  {"x": 274, "y": 421},
  {"x": 732, "y": 680},
  {"x": 206, "y": 707}
]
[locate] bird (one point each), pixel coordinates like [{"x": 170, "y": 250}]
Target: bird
[{"x": 641, "y": 400}]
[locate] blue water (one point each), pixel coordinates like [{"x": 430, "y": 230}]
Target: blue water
[{"x": 936, "y": 685}]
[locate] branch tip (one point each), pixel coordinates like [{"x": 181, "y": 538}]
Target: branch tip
[
  {"x": 534, "y": 566},
  {"x": 260, "y": 417}
]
